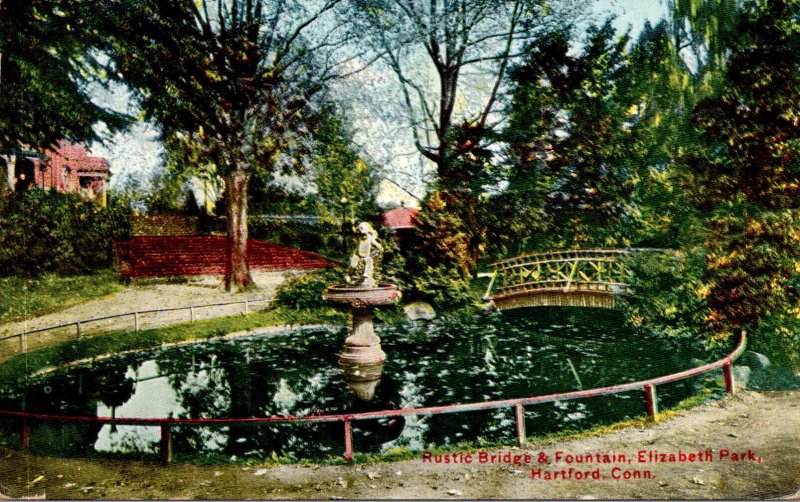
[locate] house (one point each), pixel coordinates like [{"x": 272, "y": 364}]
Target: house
[{"x": 69, "y": 168}]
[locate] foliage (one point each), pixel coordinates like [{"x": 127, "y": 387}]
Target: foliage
[
  {"x": 590, "y": 137},
  {"x": 42, "y": 98},
  {"x": 304, "y": 292},
  {"x": 747, "y": 181},
  {"x": 666, "y": 293},
  {"x": 49, "y": 231},
  {"x": 23, "y": 297},
  {"x": 346, "y": 184}
]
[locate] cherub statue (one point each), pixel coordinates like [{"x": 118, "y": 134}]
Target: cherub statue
[{"x": 366, "y": 259}]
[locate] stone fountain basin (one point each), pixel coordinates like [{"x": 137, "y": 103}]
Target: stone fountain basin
[{"x": 358, "y": 296}]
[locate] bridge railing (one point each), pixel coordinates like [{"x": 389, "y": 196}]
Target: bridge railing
[{"x": 601, "y": 270}]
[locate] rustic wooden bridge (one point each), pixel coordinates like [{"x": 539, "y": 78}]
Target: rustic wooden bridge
[{"x": 577, "y": 278}]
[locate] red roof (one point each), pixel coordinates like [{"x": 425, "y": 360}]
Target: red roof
[
  {"x": 76, "y": 157},
  {"x": 400, "y": 217}
]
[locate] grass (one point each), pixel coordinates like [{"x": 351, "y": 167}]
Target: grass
[
  {"x": 18, "y": 367},
  {"x": 22, "y": 297}
]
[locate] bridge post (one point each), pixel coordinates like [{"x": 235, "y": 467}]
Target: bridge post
[{"x": 651, "y": 401}]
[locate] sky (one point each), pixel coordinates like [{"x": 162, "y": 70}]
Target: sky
[{"x": 135, "y": 156}]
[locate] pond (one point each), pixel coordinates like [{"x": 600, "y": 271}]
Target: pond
[{"x": 445, "y": 361}]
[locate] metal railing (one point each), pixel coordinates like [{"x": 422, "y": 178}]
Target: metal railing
[
  {"x": 648, "y": 387},
  {"x": 80, "y": 326}
]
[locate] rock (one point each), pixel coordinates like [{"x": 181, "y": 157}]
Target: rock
[
  {"x": 741, "y": 374},
  {"x": 697, "y": 362},
  {"x": 260, "y": 472},
  {"x": 754, "y": 360},
  {"x": 698, "y": 481},
  {"x": 455, "y": 493},
  {"x": 416, "y": 311},
  {"x": 373, "y": 475}
]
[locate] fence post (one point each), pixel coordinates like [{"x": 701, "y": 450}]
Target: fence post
[
  {"x": 22, "y": 343},
  {"x": 727, "y": 372},
  {"x": 246, "y": 306},
  {"x": 78, "y": 330},
  {"x": 191, "y": 313},
  {"x": 520, "y": 415},
  {"x": 25, "y": 432},
  {"x": 650, "y": 401},
  {"x": 136, "y": 322},
  {"x": 166, "y": 444},
  {"x": 348, "y": 441}
]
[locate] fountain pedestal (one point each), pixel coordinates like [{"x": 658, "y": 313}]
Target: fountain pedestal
[{"x": 362, "y": 346}]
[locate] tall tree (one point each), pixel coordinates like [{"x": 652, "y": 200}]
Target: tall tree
[
  {"x": 748, "y": 182},
  {"x": 44, "y": 67},
  {"x": 466, "y": 46},
  {"x": 233, "y": 80},
  {"x": 590, "y": 135}
]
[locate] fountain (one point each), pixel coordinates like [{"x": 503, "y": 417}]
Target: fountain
[{"x": 361, "y": 358}]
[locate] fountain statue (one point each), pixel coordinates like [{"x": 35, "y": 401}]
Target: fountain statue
[{"x": 361, "y": 357}]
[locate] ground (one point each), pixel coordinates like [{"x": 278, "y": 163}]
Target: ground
[{"x": 766, "y": 426}]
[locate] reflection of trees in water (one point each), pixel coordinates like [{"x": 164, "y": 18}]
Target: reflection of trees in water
[{"x": 258, "y": 378}]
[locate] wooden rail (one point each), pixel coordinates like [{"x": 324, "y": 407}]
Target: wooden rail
[{"x": 647, "y": 387}]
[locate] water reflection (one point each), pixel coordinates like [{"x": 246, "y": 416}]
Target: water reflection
[{"x": 432, "y": 363}]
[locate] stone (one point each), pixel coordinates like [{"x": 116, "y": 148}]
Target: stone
[
  {"x": 754, "y": 360},
  {"x": 419, "y": 311},
  {"x": 741, "y": 374}
]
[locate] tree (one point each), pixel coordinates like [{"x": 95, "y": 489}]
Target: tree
[
  {"x": 44, "y": 67},
  {"x": 453, "y": 38},
  {"x": 590, "y": 137},
  {"x": 747, "y": 182},
  {"x": 232, "y": 81}
]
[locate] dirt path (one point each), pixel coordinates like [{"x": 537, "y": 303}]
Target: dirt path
[
  {"x": 763, "y": 429},
  {"x": 137, "y": 298}
]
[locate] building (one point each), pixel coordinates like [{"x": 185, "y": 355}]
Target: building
[{"x": 69, "y": 168}]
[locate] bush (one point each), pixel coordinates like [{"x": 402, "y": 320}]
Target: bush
[
  {"x": 666, "y": 293},
  {"x": 47, "y": 231},
  {"x": 304, "y": 292}
]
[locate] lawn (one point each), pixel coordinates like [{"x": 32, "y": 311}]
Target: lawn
[{"x": 22, "y": 297}]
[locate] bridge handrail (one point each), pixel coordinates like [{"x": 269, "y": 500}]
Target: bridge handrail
[
  {"x": 576, "y": 251},
  {"x": 648, "y": 386}
]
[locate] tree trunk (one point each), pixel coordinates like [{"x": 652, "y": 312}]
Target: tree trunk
[{"x": 237, "y": 272}]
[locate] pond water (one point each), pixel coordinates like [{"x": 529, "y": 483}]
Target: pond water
[{"x": 490, "y": 356}]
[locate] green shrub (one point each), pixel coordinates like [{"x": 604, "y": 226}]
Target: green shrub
[
  {"x": 666, "y": 293},
  {"x": 304, "y": 292},
  {"x": 49, "y": 231}
]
